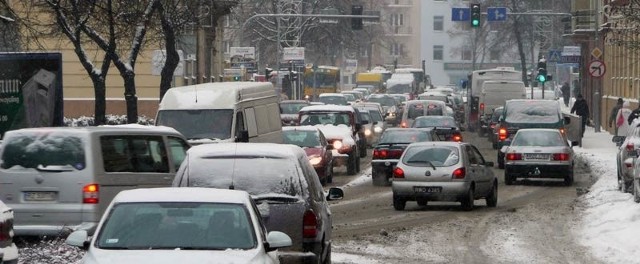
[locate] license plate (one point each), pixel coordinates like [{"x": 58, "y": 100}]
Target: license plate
[
  {"x": 536, "y": 156},
  {"x": 40, "y": 196},
  {"x": 420, "y": 189}
]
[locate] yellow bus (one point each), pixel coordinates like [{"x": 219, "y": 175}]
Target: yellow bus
[{"x": 326, "y": 80}]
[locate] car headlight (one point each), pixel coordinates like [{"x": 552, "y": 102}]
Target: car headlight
[
  {"x": 337, "y": 144},
  {"x": 315, "y": 160},
  {"x": 367, "y": 132},
  {"x": 377, "y": 129}
]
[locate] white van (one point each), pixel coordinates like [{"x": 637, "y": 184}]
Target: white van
[
  {"x": 495, "y": 94},
  {"x": 61, "y": 179},
  {"x": 223, "y": 112}
]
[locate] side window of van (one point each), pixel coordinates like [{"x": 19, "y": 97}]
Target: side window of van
[
  {"x": 262, "y": 119},
  {"x": 274, "y": 117},
  {"x": 250, "y": 114},
  {"x": 239, "y": 124},
  {"x": 178, "y": 150},
  {"x": 134, "y": 154}
]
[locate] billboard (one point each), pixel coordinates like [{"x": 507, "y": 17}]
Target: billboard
[{"x": 30, "y": 90}]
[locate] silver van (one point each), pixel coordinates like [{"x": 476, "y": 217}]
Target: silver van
[{"x": 62, "y": 179}]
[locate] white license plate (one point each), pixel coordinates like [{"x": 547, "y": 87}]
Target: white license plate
[
  {"x": 40, "y": 196},
  {"x": 420, "y": 189},
  {"x": 536, "y": 156}
]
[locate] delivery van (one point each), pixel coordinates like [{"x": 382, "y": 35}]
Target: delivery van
[
  {"x": 223, "y": 112},
  {"x": 495, "y": 94}
]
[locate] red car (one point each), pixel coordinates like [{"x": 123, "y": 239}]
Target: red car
[{"x": 315, "y": 145}]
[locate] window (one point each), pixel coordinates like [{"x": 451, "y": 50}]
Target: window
[
  {"x": 494, "y": 55},
  {"x": 438, "y": 23},
  {"x": 226, "y": 46},
  {"x": 251, "y": 122},
  {"x": 34, "y": 149},
  {"x": 239, "y": 124},
  {"x": 396, "y": 19},
  {"x": 364, "y": 51},
  {"x": 438, "y": 52},
  {"x": 467, "y": 54},
  {"x": 395, "y": 49},
  {"x": 178, "y": 150},
  {"x": 134, "y": 154}
]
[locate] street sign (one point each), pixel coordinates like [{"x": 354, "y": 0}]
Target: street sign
[
  {"x": 597, "y": 68},
  {"x": 294, "y": 53},
  {"x": 571, "y": 51},
  {"x": 570, "y": 59},
  {"x": 351, "y": 66},
  {"x": 460, "y": 14},
  {"x": 244, "y": 52},
  {"x": 554, "y": 56},
  {"x": 596, "y": 53},
  {"x": 496, "y": 14}
]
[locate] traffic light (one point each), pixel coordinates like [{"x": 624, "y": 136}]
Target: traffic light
[
  {"x": 356, "y": 23},
  {"x": 267, "y": 73},
  {"x": 236, "y": 78},
  {"x": 542, "y": 71},
  {"x": 475, "y": 15}
]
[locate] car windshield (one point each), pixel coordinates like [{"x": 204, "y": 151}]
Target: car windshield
[
  {"x": 41, "y": 149},
  {"x": 324, "y": 118},
  {"x": 532, "y": 112},
  {"x": 177, "y": 225},
  {"x": 198, "y": 123},
  {"x": 417, "y": 110},
  {"x": 496, "y": 115},
  {"x": 425, "y": 156},
  {"x": 404, "y": 136},
  {"x": 302, "y": 138},
  {"x": 291, "y": 108},
  {"x": 275, "y": 175},
  {"x": 442, "y": 98},
  {"x": 334, "y": 100},
  {"x": 399, "y": 88},
  {"x": 434, "y": 121},
  {"x": 350, "y": 97},
  {"x": 383, "y": 100},
  {"x": 538, "y": 138}
]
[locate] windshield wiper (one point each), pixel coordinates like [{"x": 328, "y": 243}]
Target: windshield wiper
[{"x": 422, "y": 161}]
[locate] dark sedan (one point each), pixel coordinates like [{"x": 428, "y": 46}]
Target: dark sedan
[
  {"x": 445, "y": 127},
  {"x": 315, "y": 145}
]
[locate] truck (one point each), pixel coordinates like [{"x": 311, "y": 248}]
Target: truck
[
  {"x": 30, "y": 90},
  {"x": 474, "y": 91},
  {"x": 370, "y": 79}
]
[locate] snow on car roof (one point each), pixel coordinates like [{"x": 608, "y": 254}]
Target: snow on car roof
[
  {"x": 299, "y": 128},
  {"x": 240, "y": 149},
  {"x": 328, "y": 108},
  {"x": 437, "y": 143},
  {"x": 337, "y": 132},
  {"x": 104, "y": 128},
  {"x": 182, "y": 194},
  {"x": 331, "y": 94}
]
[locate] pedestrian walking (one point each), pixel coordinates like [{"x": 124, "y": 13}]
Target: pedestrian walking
[
  {"x": 621, "y": 125},
  {"x": 566, "y": 93},
  {"x": 614, "y": 114},
  {"x": 581, "y": 108}
]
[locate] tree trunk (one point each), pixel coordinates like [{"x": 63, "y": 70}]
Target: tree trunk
[
  {"x": 173, "y": 58},
  {"x": 99, "y": 90},
  {"x": 130, "y": 96},
  {"x": 523, "y": 57}
]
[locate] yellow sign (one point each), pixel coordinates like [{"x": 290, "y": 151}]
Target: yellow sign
[{"x": 596, "y": 53}]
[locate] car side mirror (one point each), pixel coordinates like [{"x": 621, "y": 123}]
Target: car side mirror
[
  {"x": 243, "y": 137},
  {"x": 78, "y": 238},
  {"x": 276, "y": 240},
  {"x": 335, "y": 194},
  {"x": 567, "y": 120},
  {"x": 618, "y": 140}
]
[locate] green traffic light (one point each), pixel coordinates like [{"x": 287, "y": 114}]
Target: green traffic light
[
  {"x": 475, "y": 22},
  {"x": 542, "y": 78}
]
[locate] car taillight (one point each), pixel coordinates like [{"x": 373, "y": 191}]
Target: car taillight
[
  {"x": 398, "y": 173},
  {"x": 482, "y": 107},
  {"x": 459, "y": 173},
  {"x": 90, "y": 193},
  {"x": 403, "y": 124},
  {"x": 457, "y": 138},
  {"x": 502, "y": 134},
  {"x": 395, "y": 153},
  {"x": 629, "y": 146},
  {"x": 562, "y": 130},
  {"x": 380, "y": 153},
  {"x": 309, "y": 225},
  {"x": 514, "y": 156},
  {"x": 561, "y": 156}
]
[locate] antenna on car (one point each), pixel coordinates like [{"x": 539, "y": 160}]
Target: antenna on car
[
  {"x": 195, "y": 88},
  {"x": 233, "y": 167}
]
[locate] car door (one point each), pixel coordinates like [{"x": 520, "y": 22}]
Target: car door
[
  {"x": 474, "y": 170},
  {"x": 484, "y": 173}
]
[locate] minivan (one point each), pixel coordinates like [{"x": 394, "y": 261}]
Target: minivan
[
  {"x": 223, "y": 112},
  {"x": 416, "y": 108},
  {"x": 495, "y": 94},
  {"x": 62, "y": 179}
]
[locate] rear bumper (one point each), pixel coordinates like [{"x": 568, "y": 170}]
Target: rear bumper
[
  {"x": 383, "y": 168},
  {"x": 538, "y": 170},
  {"x": 451, "y": 191},
  {"x": 311, "y": 254}
]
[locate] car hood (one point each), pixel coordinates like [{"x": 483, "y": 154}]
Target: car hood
[{"x": 99, "y": 256}]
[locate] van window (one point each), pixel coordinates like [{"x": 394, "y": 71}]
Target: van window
[
  {"x": 275, "y": 123},
  {"x": 198, "y": 123},
  {"x": 251, "y": 122},
  {"x": 29, "y": 150},
  {"x": 134, "y": 154},
  {"x": 262, "y": 119},
  {"x": 178, "y": 150},
  {"x": 239, "y": 124}
]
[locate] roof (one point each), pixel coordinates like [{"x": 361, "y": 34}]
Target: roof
[
  {"x": 299, "y": 128},
  {"x": 218, "y": 95},
  {"x": 539, "y": 130},
  {"x": 243, "y": 149},
  {"x": 409, "y": 129},
  {"x": 403, "y": 70},
  {"x": 182, "y": 194},
  {"x": 327, "y": 108},
  {"x": 129, "y": 128},
  {"x": 437, "y": 143},
  {"x": 426, "y": 102}
]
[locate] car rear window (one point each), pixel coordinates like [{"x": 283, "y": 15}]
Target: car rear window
[
  {"x": 417, "y": 110},
  {"x": 302, "y": 138},
  {"x": 404, "y": 136},
  {"x": 425, "y": 156},
  {"x": 32, "y": 149},
  {"x": 538, "y": 138},
  {"x": 435, "y": 121},
  {"x": 258, "y": 175},
  {"x": 532, "y": 112}
]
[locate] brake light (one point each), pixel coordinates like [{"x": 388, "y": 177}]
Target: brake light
[
  {"x": 394, "y": 153},
  {"x": 561, "y": 156},
  {"x": 514, "y": 156},
  {"x": 502, "y": 134},
  {"x": 629, "y": 146},
  {"x": 403, "y": 124},
  {"x": 309, "y": 225},
  {"x": 457, "y": 138},
  {"x": 562, "y": 130},
  {"x": 459, "y": 173},
  {"x": 380, "y": 153},
  {"x": 482, "y": 107},
  {"x": 90, "y": 193},
  {"x": 398, "y": 173}
]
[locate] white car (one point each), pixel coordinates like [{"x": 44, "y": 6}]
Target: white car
[
  {"x": 8, "y": 249},
  {"x": 181, "y": 225}
]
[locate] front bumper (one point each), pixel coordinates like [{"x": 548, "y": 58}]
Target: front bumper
[
  {"x": 530, "y": 170},
  {"x": 451, "y": 191}
]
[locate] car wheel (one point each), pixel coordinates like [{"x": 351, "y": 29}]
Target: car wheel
[
  {"x": 568, "y": 180},
  {"x": 327, "y": 260},
  {"x": 627, "y": 186},
  {"x": 398, "y": 203},
  {"x": 357, "y": 164},
  {"x": 508, "y": 178},
  {"x": 468, "y": 200},
  {"x": 636, "y": 190},
  {"x": 351, "y": 164},
  {"x": 500, "y": 160},
  {"x": 363, "y": 150},
  {"x": 422, "y": 202},
  {"x": 492, "y": 197}
]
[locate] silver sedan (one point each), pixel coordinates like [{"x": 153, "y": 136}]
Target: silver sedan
[
  {"x": 443, "y": 171},
  {"x": 538, "y": 153}
]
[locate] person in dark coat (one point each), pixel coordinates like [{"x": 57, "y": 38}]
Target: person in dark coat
[
  {"x": 566, "y": 93},
  {"x": 581, "y": 108},
  {"x": 634, "y": 114},
  {"x": 614, "y": 114}
]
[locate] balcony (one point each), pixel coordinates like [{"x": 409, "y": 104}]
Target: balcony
[
  {"x": 584, "y": 21},
  {"x": 400, "y": 31}
]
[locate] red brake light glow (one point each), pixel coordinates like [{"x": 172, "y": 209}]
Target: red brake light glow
[
  {"x": 309, "y": 225},
  {"x": 398, "y": 173},
  {"x": 380, "y": 154},
  {"x": 502, "y": 134},
  {"x": 459, "y": 173},
  {"x": 561, "y": 156},
  {"x": 90, "y": 193},
  {"x": 457, "y": 138},
  {"x": 482, "y": 107},
  {"x": 514, "y": 156},
  {"x": 629, "y": 146}
]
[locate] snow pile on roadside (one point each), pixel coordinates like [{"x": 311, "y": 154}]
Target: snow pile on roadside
[{"x": 49, "y": 251}]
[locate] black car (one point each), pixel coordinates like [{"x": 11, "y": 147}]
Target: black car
[
  {"x": 391, "y": 146},
  {"x": 445, "y": 127}
]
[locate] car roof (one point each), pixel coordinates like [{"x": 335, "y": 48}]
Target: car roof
[
  {"x": 331, "y": 94},
  {"x": 182, "y": 194},
  {"x": 300, "y": 128},
  {"x": 294, "y": 101},
  {"x": 537, "y": 130},
  {"x": 105, "y": 128},
  {"x": 328, "y": 108},
  {"x": 394, "y": 129},
  {"x": 284, "y": 151},
  {"x": 438, "y": 143}
]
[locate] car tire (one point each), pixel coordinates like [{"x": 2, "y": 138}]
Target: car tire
[
  {"x": 422, "y": 202},
  {"x": 357, "y": 164},
  {"x": 399, "y": 203},
  {"x": 468, "y": 200},
  {"x": 492, "y": 197},
  {"x": 508, "y": 178},
  {"x": 351, "y": 164},
  {"x": 636, "y": 190},
  {"x": 568, "y": 180},
  {"x": 363, "y": 150},
  {"x": 625, "y": 187},
  {"x": 327, "y": 260},
  {"x": 330, "y": 174}
]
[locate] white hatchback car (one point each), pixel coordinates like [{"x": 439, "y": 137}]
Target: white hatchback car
[{"x": 181, "y": 225}]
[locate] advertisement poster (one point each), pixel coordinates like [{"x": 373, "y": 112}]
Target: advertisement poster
[{"x": 30, "y": 90}]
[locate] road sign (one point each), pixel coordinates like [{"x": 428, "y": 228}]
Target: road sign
[
  {"x": 244, "y": 52},
  {"x": 554, "y": 56},
  {"x": 596, "y": 53},
  {"x": 293, "y": 53},
  {"x": 497, "y": 14},
  {"x": 597, "y": 68},
  {"x": 460, "y": 14}
]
